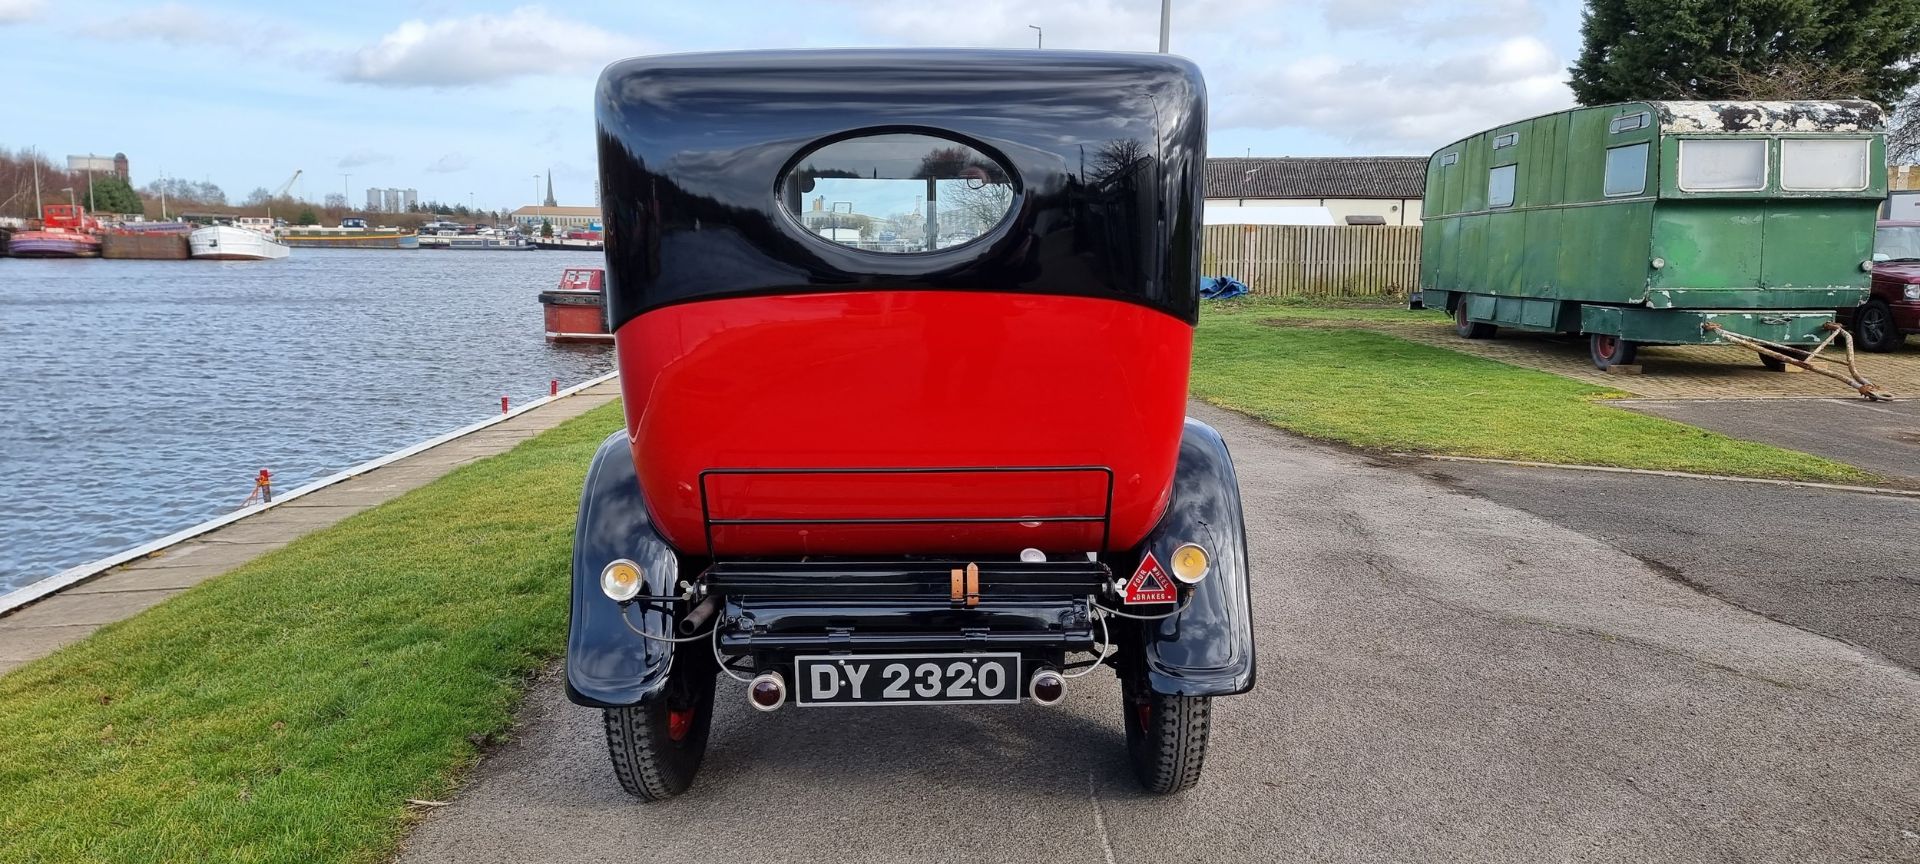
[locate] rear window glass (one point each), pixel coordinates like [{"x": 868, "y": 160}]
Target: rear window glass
[
  {"x": 898, "y": 193},
  {"x": 1626, "y": 171},
  {"x": 1500, "y": 186},
  {"x": 1833, "y": 166},
  {"x": 1723, "y": 166}
]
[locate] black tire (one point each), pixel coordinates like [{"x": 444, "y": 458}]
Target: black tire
[
  {"x": 657, "y": 745},
  {"x": 1773, "y": 364},
  {"x": 1609, "y": 351},
  {"x": 1469, "y": 329},
  {"x": 1166, "y": 735},
  {"x": 1873, "y": 327}
]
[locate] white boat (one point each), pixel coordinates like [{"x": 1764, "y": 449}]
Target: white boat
[{"x": 229, "y": 243}]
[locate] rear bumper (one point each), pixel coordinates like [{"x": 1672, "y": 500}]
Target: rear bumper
[{"x": 773, "y": 609}]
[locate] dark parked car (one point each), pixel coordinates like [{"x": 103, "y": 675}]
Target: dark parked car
[
  {"x": 1893, "y": 310},
  {"x": 903, "y": 340}
]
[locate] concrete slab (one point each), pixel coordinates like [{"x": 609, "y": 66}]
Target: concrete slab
[
  {"x": 197, "y": 554},
  {"x": 20, "y": 645},
  {"x": 67, "y": 609},
  {"x": 147, "y": 579}
]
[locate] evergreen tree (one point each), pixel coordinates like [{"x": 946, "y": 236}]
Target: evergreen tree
[
  {"x": 1714, "y": 49},
  {"x": 114, "y": 195},
  {"x": 307, "y": 216}
]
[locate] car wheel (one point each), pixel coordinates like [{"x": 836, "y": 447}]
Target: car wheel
[
  {"x": 658, "y": 744},
  {"x": 1469, "y": 329},
  {"x": 1166, "y": 735},
  {"x": 1608, "y": 350},
  {"x": 1873, "y": 327}
]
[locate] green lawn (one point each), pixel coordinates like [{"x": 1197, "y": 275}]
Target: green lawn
[
  {"x": 286, "y": 710},
  {"x": 1374, "y": 391}
]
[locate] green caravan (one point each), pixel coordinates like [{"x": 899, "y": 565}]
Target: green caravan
[{"x": 1658, "y": 223}]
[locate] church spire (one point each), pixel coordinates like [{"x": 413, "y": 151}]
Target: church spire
[{"x": 550, "y": 202}]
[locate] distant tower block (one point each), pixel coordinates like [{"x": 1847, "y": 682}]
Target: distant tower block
[{"x": 120, "y": 166}]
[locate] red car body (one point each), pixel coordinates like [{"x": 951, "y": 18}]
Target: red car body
[
  {"x": 1896, "y": 285},
  {"x": 942, "y": 380}
]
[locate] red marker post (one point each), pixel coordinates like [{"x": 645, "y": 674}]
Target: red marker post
[
  {"x": 553, "y": 387},
  {"x": 503, "y": 404}
]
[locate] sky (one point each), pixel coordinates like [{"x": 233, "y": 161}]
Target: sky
[{"x": 466, "y": 101}]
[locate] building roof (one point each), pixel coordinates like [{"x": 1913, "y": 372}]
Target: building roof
[
  {"x": 1317, "y": 177},
  {"x": 563, "y": 210}
]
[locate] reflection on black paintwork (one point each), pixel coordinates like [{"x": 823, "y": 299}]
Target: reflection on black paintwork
[{"x": 1095, "y": 181}]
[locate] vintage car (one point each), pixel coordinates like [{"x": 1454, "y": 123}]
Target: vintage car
[
  {"x": 903, "y": 338},
  {"x": 1893, "y": 309},
  {"x": 1659, "y": 223}
]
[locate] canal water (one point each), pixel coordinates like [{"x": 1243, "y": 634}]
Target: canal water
[{"x": 142, "y": 397}]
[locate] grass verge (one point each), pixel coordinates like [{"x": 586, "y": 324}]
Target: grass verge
[
  {"x": 285, "y": 711},
  {"x": 1374, "y": 391}
]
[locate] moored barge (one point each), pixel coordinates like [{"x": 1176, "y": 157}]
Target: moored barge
[
  {"x": 66, "y": 231},
  {"x": 349, "y": 236},
  {"x": 147, "y": 241},
  {"x": 577, "y": 310}
]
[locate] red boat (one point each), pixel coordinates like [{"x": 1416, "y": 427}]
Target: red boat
[
  {"x": 577, "y": 310},
  {"x": 66, "y": 232},
  {"x": 903, "y": 340}
]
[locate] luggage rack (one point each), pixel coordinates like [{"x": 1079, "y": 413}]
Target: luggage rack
[{"x": 1105, "y": 519}]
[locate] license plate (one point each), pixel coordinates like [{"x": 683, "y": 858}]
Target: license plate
[{"x": 907, "y": 679}]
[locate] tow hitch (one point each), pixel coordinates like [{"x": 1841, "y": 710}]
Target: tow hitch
[{"x": 1784, "y": 355}]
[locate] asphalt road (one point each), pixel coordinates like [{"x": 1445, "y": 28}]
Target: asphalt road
[
  {"x": 1882, "y": 437},
  {"x": 1444, "y": 678},
  {"x": 1841, "y": 564}
]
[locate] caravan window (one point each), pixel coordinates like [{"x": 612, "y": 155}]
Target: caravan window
[
  {"x": 1726, "y": 165},
  {"x": 1626, "y": 171},
  {"x": 1500, "y": 186},
  {"x": 1823, "y": 166}
]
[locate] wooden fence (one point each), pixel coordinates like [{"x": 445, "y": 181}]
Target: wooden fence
[{"x": 1315, "y": 260}]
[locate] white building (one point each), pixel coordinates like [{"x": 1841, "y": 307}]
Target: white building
[
  {"x": 1356, "y": 190},
  {"x": 560, "y": 217}
]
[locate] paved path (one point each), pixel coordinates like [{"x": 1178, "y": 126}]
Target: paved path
[
  {"x": 1444, "y": 678},
  {"x": 39, "y": 629},
  {"x": 1882, "y": 437},
  {"x": 1670, "y": 371}
]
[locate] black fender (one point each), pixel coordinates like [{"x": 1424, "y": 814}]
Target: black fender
[
  {"x": 1207, "y": 649},
  {"x": 608, "y": 665}
]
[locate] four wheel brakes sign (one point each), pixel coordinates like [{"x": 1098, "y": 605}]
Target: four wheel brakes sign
[{"x": 1151, "y": 583}]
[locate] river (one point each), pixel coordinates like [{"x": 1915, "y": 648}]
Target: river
[{"x": 142, "y": 397}]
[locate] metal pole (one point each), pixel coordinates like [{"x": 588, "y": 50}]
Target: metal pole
[
  {"x": 37, "y": 208},
  {"x": 91, "y": 206},
  {"x": 1038, "y": 34},
  {"x": 1166, "y": 23}
]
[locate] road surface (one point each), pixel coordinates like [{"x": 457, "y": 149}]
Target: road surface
[{"x": 1443, "y": 678}]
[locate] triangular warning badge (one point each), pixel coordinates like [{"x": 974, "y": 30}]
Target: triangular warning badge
[{"x": 1150, "y": 584}]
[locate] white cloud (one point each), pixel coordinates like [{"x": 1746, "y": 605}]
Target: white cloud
[
  {"x": 359, "y": 158},
  {"x": 19, "y": 11},
  {"x": 1400, "y": 105},
  {"x": 452, "y": 52},
  {"x": 1113, "y": 25},
  {"x": 450, "y": 163},
  {"x": 1425, "y": 22},
  {"x": 183, "y": 25}
]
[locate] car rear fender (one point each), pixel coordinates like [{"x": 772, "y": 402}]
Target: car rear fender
[
  {"x": 1207, "y": 649},
  {"x": 609, "y": 666}
]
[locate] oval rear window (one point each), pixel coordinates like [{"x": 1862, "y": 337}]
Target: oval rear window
[{"x": 898, "y": 193}]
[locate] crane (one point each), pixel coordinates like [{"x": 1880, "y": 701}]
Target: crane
[{"x": 282, "y": 191}]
